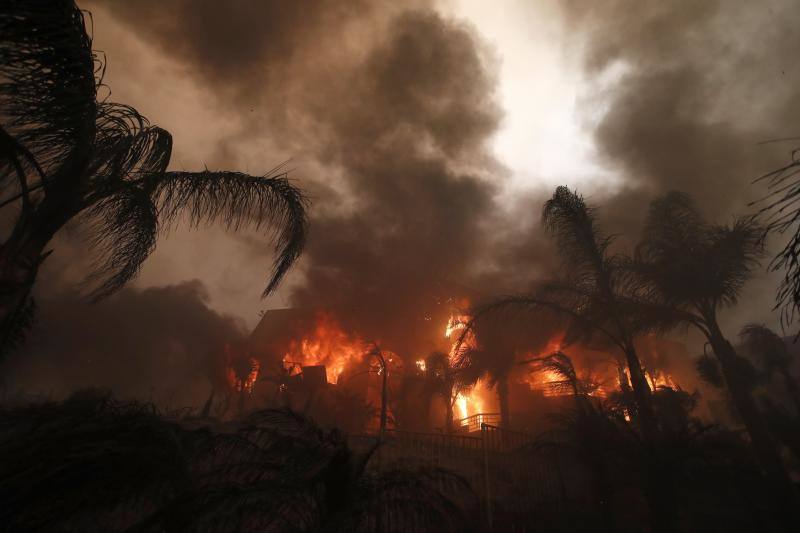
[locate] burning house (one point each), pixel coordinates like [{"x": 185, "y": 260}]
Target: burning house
[{"x": 315, "y": 360}]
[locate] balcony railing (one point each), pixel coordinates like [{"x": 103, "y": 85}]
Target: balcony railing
[{"x": 472, "y": 424}]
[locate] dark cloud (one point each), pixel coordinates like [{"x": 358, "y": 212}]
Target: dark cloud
[
  {"x": 691, "y": 89},
  {"x": 698, "y": 85},
  {"x": 392, "y": 108},
  {"x": 162, "y": 343}
]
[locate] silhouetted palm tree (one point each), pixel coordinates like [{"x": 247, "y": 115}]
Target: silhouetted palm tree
[
  {"x": 781, "y": 212},
  {"x": 443, "y": 378},
  {"x": 775, "y": 358},
  {"x": 597, "y": 294},
  {"x": 66, "y": 153},
  {"x": 559, "y": 365},
  {"x": 493, "y": 356},
  {"x": 698, "y": 268}
]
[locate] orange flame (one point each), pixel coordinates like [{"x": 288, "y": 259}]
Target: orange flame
[
  {"x": 242, "y": 371},
  {"x": 327, "y": 344},
  {"x": 471, "y": 402}
]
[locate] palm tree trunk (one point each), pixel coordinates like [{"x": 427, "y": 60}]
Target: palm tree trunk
[
  {"x": 20, "y": 259},
  {"x": 384, "y": 399},
  {"x": 502, "y": 395},
  {"x": 642, "y": 395},
  {"x": 659, "y": 490},
  {"x": 764, "y": 444}
]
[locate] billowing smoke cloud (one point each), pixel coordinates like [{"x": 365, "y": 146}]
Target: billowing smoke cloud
[
  {"x": 163, "y": 343},
  {"x": 392, "y": 109},
  {"x": 691, "y": 90},
  {"x": 694, "y": 87}
]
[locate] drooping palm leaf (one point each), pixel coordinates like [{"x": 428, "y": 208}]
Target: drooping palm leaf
[
  {"x": 47, "y": 86},
  {"x": 688, "y": 261},
  {"x": 781, "y": 212},
  {"x": 238, "y": 200}
]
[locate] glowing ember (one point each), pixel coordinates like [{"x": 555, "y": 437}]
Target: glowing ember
[
  {"x": 327, "y": 344},
  {"x": 421, "y": 365}
]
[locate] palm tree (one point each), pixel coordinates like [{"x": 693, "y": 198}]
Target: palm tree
[
  {"x": 581, "y": 430},
  {"x": 781, "y": 212},
  {"x": 492, "y": 356},
  {"x": 67, "y": 154},
  {"x": 597, "y": 295},
  {"x": 698, "y": 268},
  {"x": 441, "y": 377},
  {"x": 769, "y": 347}
]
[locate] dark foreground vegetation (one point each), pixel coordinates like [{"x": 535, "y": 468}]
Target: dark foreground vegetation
[{"x": 91, "y": 463}]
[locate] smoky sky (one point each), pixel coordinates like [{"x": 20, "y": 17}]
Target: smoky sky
[
  {"x": 397, "y": 122},
  {"x": 160, "y": 343},
  {"x": 386, "y": 111},
  {"x": 699, "y": 86}
]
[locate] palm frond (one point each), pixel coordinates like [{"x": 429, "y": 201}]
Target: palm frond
[
  {"x": 238, "y": 200},
  {"x": 738, "y": 249},
  {"x": 121, "y": 217},
  {"x": 559, "y": 364},
  {"x": 780, "y": 210},
  {"x": 421, "y": 499},
  {"x": 124, "y": 228},
  {"x": 126, "y": 148},
  {"x": 573, "y": 224},
  {"x": 685, "y": 261},
  {"x": 47, "y": 89}
]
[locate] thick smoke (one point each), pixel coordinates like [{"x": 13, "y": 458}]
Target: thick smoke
[
  {"x": 392, "y": 109},
  {"x": 162, "y": 343},
  {"x": 691, "y": 90},
  {"x": 694, "y": 88}
]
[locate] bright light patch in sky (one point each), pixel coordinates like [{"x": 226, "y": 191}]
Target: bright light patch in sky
[{"x": 541, "y": 139}]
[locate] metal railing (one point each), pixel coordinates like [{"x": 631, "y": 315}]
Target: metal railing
[{"x": 472, "y": 424}]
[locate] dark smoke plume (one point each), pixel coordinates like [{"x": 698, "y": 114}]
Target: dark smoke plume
[
  {"x": 161, "y": 343},
  {"x": 394, "y": 108}
]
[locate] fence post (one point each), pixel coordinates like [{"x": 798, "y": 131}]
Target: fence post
[{"x": 485, "y": 438}]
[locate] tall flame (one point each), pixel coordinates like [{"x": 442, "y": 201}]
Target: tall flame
[
  {"x": 467, "y": 403},
  {"x": 326, "y": 344}
]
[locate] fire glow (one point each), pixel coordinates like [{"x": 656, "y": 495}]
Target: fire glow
[
  {"x": 327, "y": 344},
  {"x": 470, "y": 402},
  {"x": 242, "y": 371}
]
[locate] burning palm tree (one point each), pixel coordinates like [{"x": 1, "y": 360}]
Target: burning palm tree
[{"x": 67, "y": 154}]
